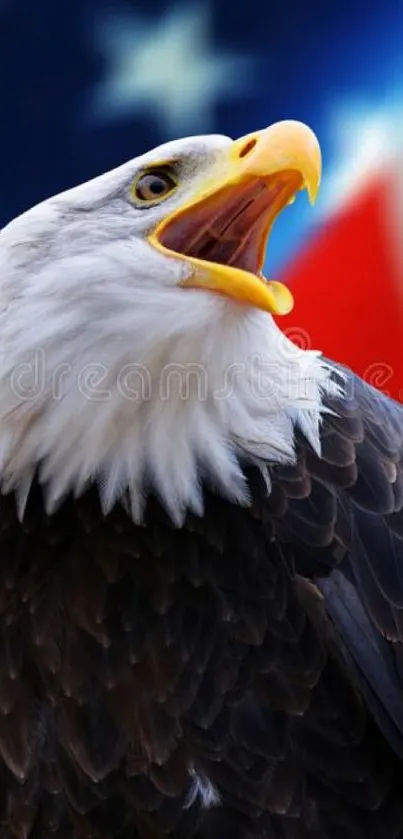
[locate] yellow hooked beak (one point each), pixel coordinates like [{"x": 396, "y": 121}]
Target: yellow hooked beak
[{"x": 222, "y": 231}]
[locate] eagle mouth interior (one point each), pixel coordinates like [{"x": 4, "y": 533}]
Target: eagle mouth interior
[{"x": 231, "y": 227}]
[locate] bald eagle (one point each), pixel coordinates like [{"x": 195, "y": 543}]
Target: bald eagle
[{"x": 201, "y": 568}]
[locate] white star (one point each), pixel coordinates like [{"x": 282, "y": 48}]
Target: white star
[{"x": 167, "y": 66}]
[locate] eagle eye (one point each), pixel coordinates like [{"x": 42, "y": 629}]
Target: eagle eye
[{"x": 153, "y": 186}]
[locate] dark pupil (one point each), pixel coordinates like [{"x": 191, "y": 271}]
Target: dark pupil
[
  {"x": 152, "y": 185},
  {"x": 156, "y": 186}
]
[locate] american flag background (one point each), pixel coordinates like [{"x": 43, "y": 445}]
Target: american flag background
[{"x": 88, "y": 84}]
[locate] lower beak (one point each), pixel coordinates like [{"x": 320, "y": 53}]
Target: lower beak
[{"x": 222, "y": 232}]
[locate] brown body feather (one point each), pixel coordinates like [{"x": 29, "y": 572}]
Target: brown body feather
[{"x": 248, "y": 647}]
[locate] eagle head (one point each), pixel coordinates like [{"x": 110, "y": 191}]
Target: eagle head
[{"x": 138, "y": 348}]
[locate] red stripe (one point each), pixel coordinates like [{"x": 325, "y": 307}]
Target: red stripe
[{"x": 347, "y": 291}]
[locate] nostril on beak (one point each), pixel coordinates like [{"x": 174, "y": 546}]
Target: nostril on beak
[{"x": 248, "y": 147}]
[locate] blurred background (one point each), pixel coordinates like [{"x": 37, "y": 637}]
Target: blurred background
[{"x": 88, "y": 84}]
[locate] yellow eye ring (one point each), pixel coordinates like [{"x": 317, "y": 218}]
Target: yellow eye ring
[{"x": 153, "y": 185}]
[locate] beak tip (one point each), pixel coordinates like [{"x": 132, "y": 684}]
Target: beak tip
[
  {"x": 291, "y": 144},
  {"x": 313, "y": 190}
]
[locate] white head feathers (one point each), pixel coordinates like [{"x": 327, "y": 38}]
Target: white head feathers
[{"x": 111, "y": 373}]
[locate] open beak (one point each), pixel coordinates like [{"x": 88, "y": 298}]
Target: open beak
[{"x": 223, "y": 230}]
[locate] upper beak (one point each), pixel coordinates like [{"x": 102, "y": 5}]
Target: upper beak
[{"x": 222, "y": 231}]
